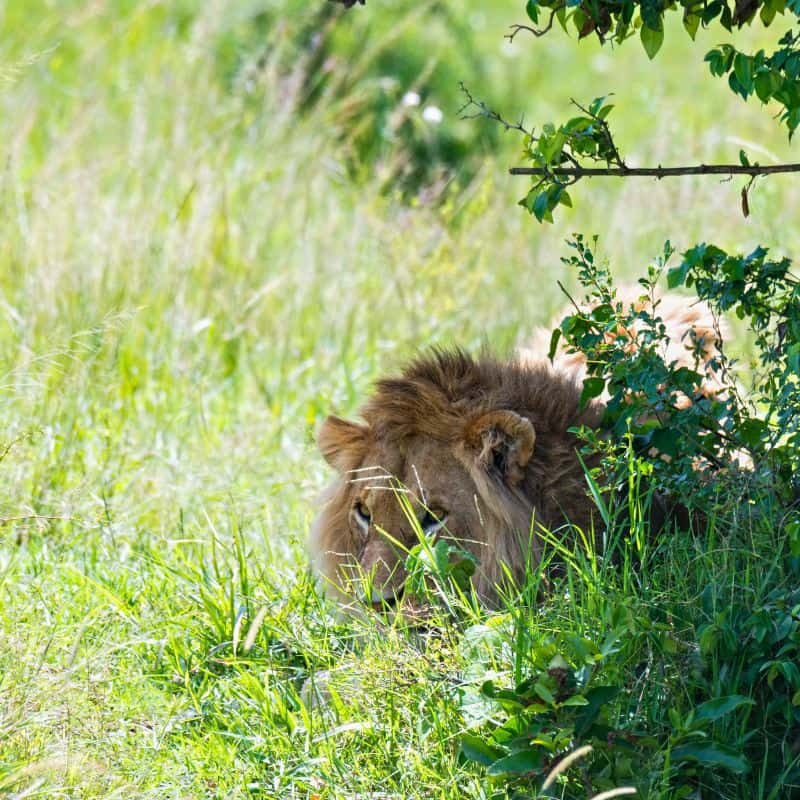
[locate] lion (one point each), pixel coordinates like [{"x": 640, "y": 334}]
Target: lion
[{"x": 481, "y": 451}]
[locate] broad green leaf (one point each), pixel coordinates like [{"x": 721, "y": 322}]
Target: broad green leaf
[
  {"x": 593, "y": 387},
  {"x": 651, "y": 40},
  {"x": 676, "y": 276},
  {"x": 712, "y": 710},
  {"x": 751, "y": 431},
  {"x": 743, "y": 69},
  {"x": 518, "y": 763},
  {"x": 575, "y": 700},
  {"x": 476, "y": 749},
  {"x": 539, "y": 207},
  {"x": 532, "y": 10},
  {"x": 712, "y": 754},
  {"x": 691, "y": 22},
  {"x": 544, "y": 693}
]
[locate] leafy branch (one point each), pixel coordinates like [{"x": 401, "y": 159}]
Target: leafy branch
[
  {"x": 561, "y": 156},
  {"x": 770, "y": 77}
]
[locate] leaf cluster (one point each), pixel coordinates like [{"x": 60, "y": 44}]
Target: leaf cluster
[
  {"x": 584, "y": 137},
  {"x": 572, "y": 700},
  {"x": 694, "y": 423},
  {"x": 770, "y": 77},
  {"x": 756, "y": 651},
  {"x": 764, "y": 292}
]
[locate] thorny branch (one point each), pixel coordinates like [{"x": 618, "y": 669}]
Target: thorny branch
[
  {"x": 754, "y": 170},
  {"x": 573, "y": 170},
  {"x": 484, "y": 111},
  {"x": 515, "y": 29}
]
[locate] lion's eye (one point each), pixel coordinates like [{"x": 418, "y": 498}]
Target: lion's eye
[
  {"x": 362, "y": 515},
  {"x": 433, "y": 519}
]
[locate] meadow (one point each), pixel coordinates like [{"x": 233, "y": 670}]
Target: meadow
[{"x": 221, "y": 222}]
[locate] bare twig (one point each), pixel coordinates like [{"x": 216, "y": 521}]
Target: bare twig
[
  {"x": 515, "y": 29},
  {"x": 487, "y": 113}
]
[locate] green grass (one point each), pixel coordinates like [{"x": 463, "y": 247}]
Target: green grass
[{"x": 191, "y": 277}]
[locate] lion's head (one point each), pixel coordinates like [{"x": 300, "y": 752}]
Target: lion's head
[{"x": 480, "y": 452}]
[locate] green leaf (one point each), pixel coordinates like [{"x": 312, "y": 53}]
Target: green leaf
[
  {"x": 539, "y": 206},
  {"x": 532, "y": 10},
  {"x": 762, "y": 83},
  {"x": 476, "y": 749},
  {"x": 597, "y": 104},
  {"x": 544, "y": 693},
  {"x": 743, "y": 69},
  {"x": 766, "y": 83},
  {"x": 743, "y": 160},
  {"x": 676, "y": 276},
  {"x": 712, "y": 754},
  {"x": 575, "y": 700},
  {"x": 714, "y": 709},
  {"x": 592, "y": 387},
  {"x": 605, "y": 111},
  {"x": 651, "y": 40},
  {"x": 554, "y": 339},
  {"x": 666, "y": 441},
  {"x": 691, "y": 22},
  {"x": 597, "y": 697},
  {"x": 518, "y": 763},
  {"x": 751, "y": 431}
]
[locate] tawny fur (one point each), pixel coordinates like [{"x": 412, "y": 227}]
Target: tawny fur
[
  {"x": 481, "y": 441},
  {"x": 694, "y": 337}
]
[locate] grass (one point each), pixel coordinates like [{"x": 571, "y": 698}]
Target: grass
[{"x": 190, "y": 278}]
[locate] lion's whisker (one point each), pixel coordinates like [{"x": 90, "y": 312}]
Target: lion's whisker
[
  {"x": 370, "y": 478},
  {"x": 419, "y": 483}
]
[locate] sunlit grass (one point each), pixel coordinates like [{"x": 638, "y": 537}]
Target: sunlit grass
[{"x": 190, "y": 280}]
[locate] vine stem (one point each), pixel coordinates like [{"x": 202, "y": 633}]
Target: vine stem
[{"x": 655, "y": 172}]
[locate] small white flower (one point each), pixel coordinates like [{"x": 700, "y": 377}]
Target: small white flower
[
  {"x": 432, "y": 114},
  {"x": 411, "y": 99}
]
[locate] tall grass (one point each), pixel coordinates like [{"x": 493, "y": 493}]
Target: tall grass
[{"x": 191, "y": 275}]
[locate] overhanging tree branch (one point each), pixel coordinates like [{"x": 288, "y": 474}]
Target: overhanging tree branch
[{"x": 753, "y": 170}]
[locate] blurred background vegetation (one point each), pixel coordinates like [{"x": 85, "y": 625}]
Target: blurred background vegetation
[{"x": 220, "y": 222}]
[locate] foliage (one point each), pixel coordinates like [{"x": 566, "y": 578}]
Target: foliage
[
  {"x": 691, "y": 422},
  {"x": 771, "y": 77},
  {"x": 778, "y": 75},
  {"x": 669, "y": 434}
]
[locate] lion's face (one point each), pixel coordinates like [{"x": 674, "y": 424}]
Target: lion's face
[{"x": 461, "y": 488}]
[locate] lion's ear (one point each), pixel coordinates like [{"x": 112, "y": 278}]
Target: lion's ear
[
  {"x": 343, "y": 444},
  {"x": 502, "y": 442}
]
